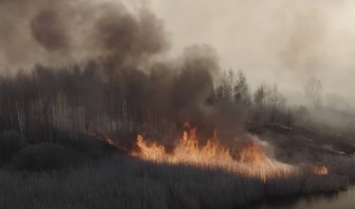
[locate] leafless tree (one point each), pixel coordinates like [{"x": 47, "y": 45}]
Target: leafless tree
[
  {"x": 259, "y": 97},
  {"x": 241, "y": 89},
  {"x": 224, "y": 92},
  {"x": 313, "y": 92}
]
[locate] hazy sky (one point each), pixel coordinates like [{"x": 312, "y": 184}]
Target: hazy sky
[
  {"x": 281, "y": 41},
  {"x": 272, "y": 41}
]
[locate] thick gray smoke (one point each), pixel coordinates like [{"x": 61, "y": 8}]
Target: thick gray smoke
[
  {"x": 123, "y": 43},
  {"x": 66, "y": 32},
  {"x": 48, "y": 30}
]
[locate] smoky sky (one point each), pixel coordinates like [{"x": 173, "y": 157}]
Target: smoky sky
[
  {"x": 71, "y": 32},
  {"x": 127, "y": 43},
  {"x": 273, "y": 41}
]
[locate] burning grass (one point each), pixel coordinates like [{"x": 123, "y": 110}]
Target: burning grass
[
  {"x": 189, "y": 176},
  {"x": 251, "y": 161}
]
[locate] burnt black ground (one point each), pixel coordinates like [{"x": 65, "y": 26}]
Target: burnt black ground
[{"x": 300, "y": 145}]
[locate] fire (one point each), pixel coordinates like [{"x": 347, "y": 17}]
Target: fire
[
  {"x": 252, "y": 160},
  {"x": 320, "y": 170},
  {"x": 150, "y": 151},
  {"x": 252, "y": 153},
  {"x": 186, "y": 151},
  {"x": 111, "y": 142}
]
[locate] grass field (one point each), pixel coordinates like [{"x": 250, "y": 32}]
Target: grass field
[{"x": 128, "y": 183}]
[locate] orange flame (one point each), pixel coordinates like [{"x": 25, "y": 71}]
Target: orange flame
[
  {"x": 149, "y": 151},
  {"x": 320, "y": 170},
  {"x": 253, "y": 161},
  {"x": 252, "y": 153}
]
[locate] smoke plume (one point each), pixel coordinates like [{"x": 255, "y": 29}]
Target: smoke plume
[
  {"x": 117, "y": 82},
  {"x": 67, "y": 32}
]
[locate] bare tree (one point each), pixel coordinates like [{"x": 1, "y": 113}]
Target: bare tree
[
  {"x": 241, "y": 89},
  {"x": 259, "y": 101},
  {"x": 225, "y": 90},
  {"x": 313, "y": 92},
  {"x": 275, "y": 104},
  {"x": 259, "y": 96}
]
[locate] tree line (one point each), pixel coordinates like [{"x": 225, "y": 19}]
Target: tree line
[{"x": 40, "y": 105}]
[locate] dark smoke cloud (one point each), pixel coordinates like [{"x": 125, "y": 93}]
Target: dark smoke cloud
[
  {"x": 123, "y": 44},
  {"x": 183, "y": 92},
  {"x": 48, "y": 31},
  {"x": 66, "y": 32},
  {"x": 128, "y": 39}
]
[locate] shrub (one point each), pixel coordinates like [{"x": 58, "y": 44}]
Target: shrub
[
  {"x": 87, "y": 145},
  {"x": 45, "y": 157},
  {"x": 10, "y": 144}
]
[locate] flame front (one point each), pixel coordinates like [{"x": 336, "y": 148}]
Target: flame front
[
  {"x": 320, "y": 170},
  {"x": 150, "y": 151},
  {"x": 252, "y": 161}
]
